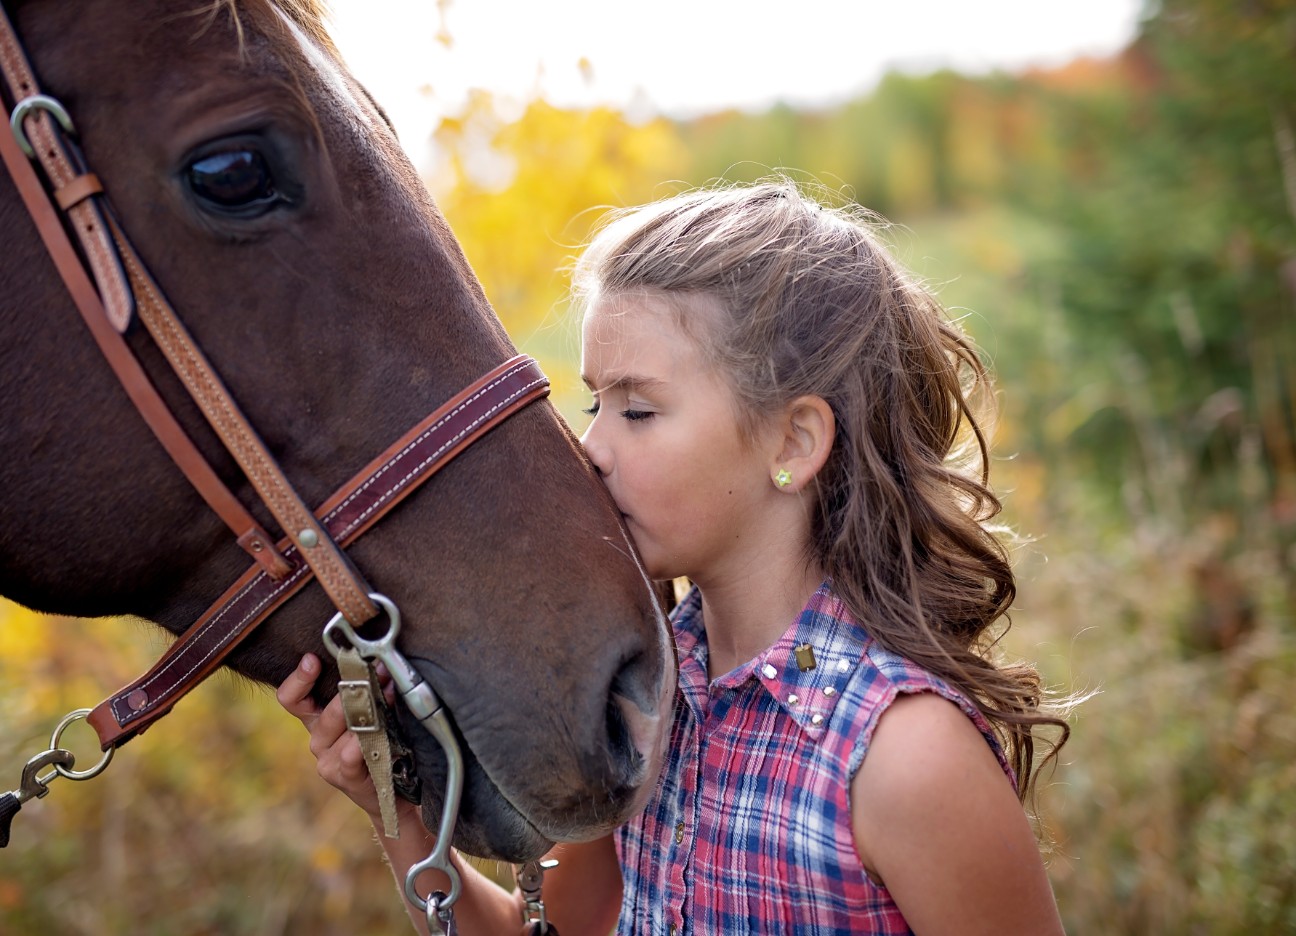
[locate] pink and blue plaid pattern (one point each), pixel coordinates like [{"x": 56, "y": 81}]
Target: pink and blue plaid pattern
[{"x": 749, "y": 828}]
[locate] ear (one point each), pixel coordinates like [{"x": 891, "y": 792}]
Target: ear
[{"x": 806, "y": 433}]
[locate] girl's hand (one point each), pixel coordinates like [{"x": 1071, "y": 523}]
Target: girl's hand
[
  {"x": 585, "y": 894},
  {"x": 338, "y": 759}
]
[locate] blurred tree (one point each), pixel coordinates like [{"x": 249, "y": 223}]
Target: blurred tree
[
  {"x": 521, "y": 191},
  {"x": 1180, "y": 286}
]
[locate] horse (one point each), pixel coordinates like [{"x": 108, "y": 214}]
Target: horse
[{"x": 267, "y": 194}]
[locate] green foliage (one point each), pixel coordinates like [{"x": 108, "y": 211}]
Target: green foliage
[{"x": 1181, "y": 248}]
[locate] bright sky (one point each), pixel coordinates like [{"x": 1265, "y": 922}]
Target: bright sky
[{"x": 688, "y": 56}]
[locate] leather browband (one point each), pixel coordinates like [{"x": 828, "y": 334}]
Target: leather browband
[{"x": 355, "y": 507}]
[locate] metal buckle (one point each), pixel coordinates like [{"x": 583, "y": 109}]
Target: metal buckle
[
  {"x": 424, "y": 704},
  {"x": 358, "y": 706},
  {"x": 34, "y": 103}
]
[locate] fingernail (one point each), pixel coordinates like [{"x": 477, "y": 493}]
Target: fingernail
[{"x": 308, "y": 664}]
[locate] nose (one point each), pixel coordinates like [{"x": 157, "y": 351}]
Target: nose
[{"x": 600, "y": 455}]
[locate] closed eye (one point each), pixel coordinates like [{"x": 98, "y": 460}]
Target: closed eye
[{"x": 630, "y": 415}]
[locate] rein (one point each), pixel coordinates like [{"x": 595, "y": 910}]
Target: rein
[{"x": 111, "y": 289}]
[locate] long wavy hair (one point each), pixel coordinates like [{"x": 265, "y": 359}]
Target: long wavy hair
[{"x": 903, "y": 514}]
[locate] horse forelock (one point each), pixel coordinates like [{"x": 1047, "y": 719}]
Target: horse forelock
[{"x": 311, "y": 16}]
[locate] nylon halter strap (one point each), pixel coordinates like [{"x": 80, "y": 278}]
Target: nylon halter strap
[{"x": 122, "y": 290}]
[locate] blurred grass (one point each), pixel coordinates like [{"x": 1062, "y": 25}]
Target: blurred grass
[{"x": 211, "y": 822}]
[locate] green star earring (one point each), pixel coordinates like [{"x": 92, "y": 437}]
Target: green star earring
[{"x": 783, "y": 478}]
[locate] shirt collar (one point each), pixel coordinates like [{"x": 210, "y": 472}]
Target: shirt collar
[{"x": 809, "y": 695}]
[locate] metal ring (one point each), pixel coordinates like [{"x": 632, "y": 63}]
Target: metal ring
[
  {"x": 366, "y": 648},
  {"x": 94, "y": 771},
  {"x": 34, "y": 103}
]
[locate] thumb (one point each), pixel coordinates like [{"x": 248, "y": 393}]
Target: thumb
[{"x": 294, "y": 693}]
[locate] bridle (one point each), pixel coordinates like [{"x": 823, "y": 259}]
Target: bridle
[{"x": 112, "y": 289}]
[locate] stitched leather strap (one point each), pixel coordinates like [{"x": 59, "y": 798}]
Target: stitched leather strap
[
  {"x": 344, "y": 585},
  {"x": 46, "y": 142},
  {"x": 126, "y": 366},
  {"x": 108, "y": 251},
  {"x": 352, "y": 510}
]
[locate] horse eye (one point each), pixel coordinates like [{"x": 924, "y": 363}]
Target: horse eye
[{"x": 237, "y": 180}]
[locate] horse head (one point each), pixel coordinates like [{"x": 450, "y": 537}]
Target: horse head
[{"x": 270, "y": 199}]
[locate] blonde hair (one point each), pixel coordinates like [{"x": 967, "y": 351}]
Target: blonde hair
[{"x": 814, "y": 304}]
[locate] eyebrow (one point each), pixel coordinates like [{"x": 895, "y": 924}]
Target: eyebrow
[{"x": 626, "y": 382}]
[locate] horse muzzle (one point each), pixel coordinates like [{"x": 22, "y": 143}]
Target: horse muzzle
[{"x": 523, "y": 792}]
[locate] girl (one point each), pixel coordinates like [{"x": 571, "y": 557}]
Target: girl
[{"x": 786, "y": 418}]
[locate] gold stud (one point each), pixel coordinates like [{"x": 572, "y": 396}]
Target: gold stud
[
  {"x": 783, "y": 478},
  {"x": 805, "y": 657}
]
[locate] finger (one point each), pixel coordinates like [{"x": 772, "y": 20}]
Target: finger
[
  {"x": 351, "y": 757},
  {"x": 385, "y": 682},
  {"x": 328, "y": 727},
  {"x": 343, "y": 765},
  {"x": 294, "y": 693}
]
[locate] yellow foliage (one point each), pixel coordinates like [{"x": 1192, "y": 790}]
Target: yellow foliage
[
  {"x": 521, "y": 192},
  {"x": 911, "y": 173},
  {"x": 326, "y": 858},
  {"x": 975, "y": 160}
]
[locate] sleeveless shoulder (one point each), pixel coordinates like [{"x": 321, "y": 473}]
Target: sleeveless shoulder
[
  {"x": 879, "y": 679},
  {"x": 748, "y": 828}
]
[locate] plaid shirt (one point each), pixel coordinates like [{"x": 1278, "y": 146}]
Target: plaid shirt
[{"x": 749, "y": 829}]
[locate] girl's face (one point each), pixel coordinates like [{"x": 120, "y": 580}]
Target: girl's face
[{"x": 665, "y": 439}]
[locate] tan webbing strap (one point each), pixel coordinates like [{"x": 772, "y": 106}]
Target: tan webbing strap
[{"x": 362, "y": 704}]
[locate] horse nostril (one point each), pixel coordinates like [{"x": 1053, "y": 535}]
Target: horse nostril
[
  {"x": 634, "y": 718},
  {"x": 625, "y": 757}
]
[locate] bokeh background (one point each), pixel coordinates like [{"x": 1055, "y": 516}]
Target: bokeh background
[{"x": 1119, "y": 234}]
